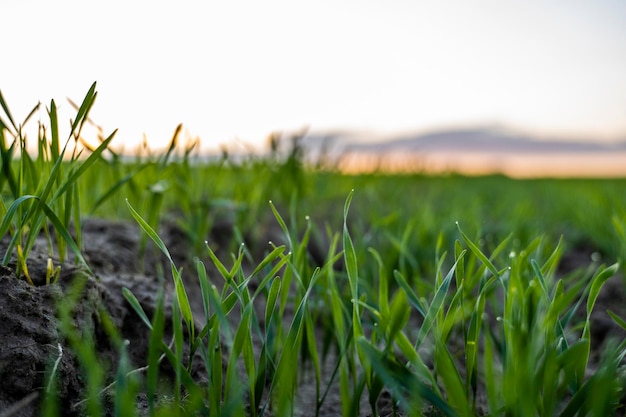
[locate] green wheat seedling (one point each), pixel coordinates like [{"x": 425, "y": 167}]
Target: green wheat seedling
[
  {"x": 43, "y": 190},
  {"x": 522, "y": 346},
  {"x": 281, "y": 346},
  {"x": 224, "y": 389},
  {"x": 533, "y": 307}
]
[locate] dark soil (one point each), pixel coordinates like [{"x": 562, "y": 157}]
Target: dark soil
[{"x": 31, "y": 342}]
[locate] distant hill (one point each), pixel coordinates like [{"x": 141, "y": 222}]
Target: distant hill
[
  {"x": 471, "y": 151},
  {"x": 461, "y": 140}
]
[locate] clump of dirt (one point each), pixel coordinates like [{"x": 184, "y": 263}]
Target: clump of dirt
[
  {"x": 31, "y": 341},
  {"x": 29, "y": 328}
]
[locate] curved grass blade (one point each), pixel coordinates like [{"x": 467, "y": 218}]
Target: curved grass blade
[
  {"x": 150, "y": 232},
  {"x": 111, "y": 191},
  {"x": 618, "y": 320},
  {"x": 436, "y": 304},
  {"x": 130, "y": 297},
  {"x": 181, "y": 294},
  {"x": 597, "y": 283},
  {"x": 271, "y": 299},
  {"x": 405, "y": 385},
  {"x": 412, "y": 296},
  {"x": 8, "y": 217},
  {"x": 7, "y": 112},
  {"x": 86, "y": 105},
  {"x": 6, "y": 156},
  {"x": 282, "y": 224},
  {"x": 55, "y": 146},
  {"x": 65, "y": 234},
  {"x": 478, "y": 253},
  {"x": 383, "y": 284},
  {"x": 84, "y": 166}
]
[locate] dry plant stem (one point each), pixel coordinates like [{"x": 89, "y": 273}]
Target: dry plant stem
[
  {"x": 128, "y": 374},
  {"x": 55, "y": 367},
  {"x": 15, "y": 408}
]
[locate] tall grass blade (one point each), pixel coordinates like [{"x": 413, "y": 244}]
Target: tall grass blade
[
  {"x": 150, "y": 232},
  {"x": 132, "y": 300},
  {"x": 478, "y": 253},
  {"x": 8, "y": 113},
  {"x": 65, "y": 234},
  {"x": 436, "y": 305},
  {"x": 85, "y": 106},
  {"x": 6, "y": 156},
  {"x": 405, "y": 386},
  {"x": 412, "y": 296},
  {"x": 77, "y": 173},
  {"x": 154, "y": 347}
]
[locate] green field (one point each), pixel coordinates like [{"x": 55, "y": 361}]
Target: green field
[{"x": 302, "y": 286}]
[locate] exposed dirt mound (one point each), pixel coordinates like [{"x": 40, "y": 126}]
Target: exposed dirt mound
[{"x": 29, "y": 329}]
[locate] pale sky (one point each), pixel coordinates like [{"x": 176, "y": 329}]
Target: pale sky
[{"x": 241, "y": 69}]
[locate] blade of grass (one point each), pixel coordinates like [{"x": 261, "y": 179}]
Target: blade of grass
[
  {"x": 8, "y": 113},
  {"x": 436, "y": 305},
  {"x": 477, "y": 252}
]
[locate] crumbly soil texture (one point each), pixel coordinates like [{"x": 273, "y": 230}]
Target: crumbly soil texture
[{"x": 32, "y": 345}]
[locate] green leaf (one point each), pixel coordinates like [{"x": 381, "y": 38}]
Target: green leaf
[
  {"x": 112, "y": 191},
  {"x": 412, "y": 296},
  {"x": 204, "y": 288},
  {"x": 574, "y": 362},
  {"x": 597, "y": 283},
  {"x": 399, "y": 314},
  {"x": 132, "y": 300},
  {"x": 283, "y": 225},
  {"x": 383, "y": 284},
  {"x": 183, "y": 301},
  {"x": 55, "y": 144},
  {"x": 404, "y": 385},
  {"x": 460, "y": 270},
  {"x": 154, "y": 347},
  {"x": 271, "y": 300},
  {"x": 452, "y": 380},
  {"x": 88, "y": 101},
  {"x": 218, "y": 264},
  {"x": 276, "y": 252},
  {"x": 436, "y": 304},
  {"x": 150, "y": 232},
  {"x": 65, "y": 234},
  {"x": 618, "y": 320},
  {"x": 6, "y": 156},
  {"x": 349, "y": 252},
  {"x": 313, "y": 354},
  {"x": 178, "y": 352},
  {"x": 95, "y": 155},
  {"x": 8, "y": 217},
  {"x": 540, "y": 278},
  {"x": 478, "y": 253},
  {"x": 7, "y": 112}
]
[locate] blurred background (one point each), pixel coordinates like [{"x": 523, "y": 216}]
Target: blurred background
[{"x": 520, "y": 87}]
